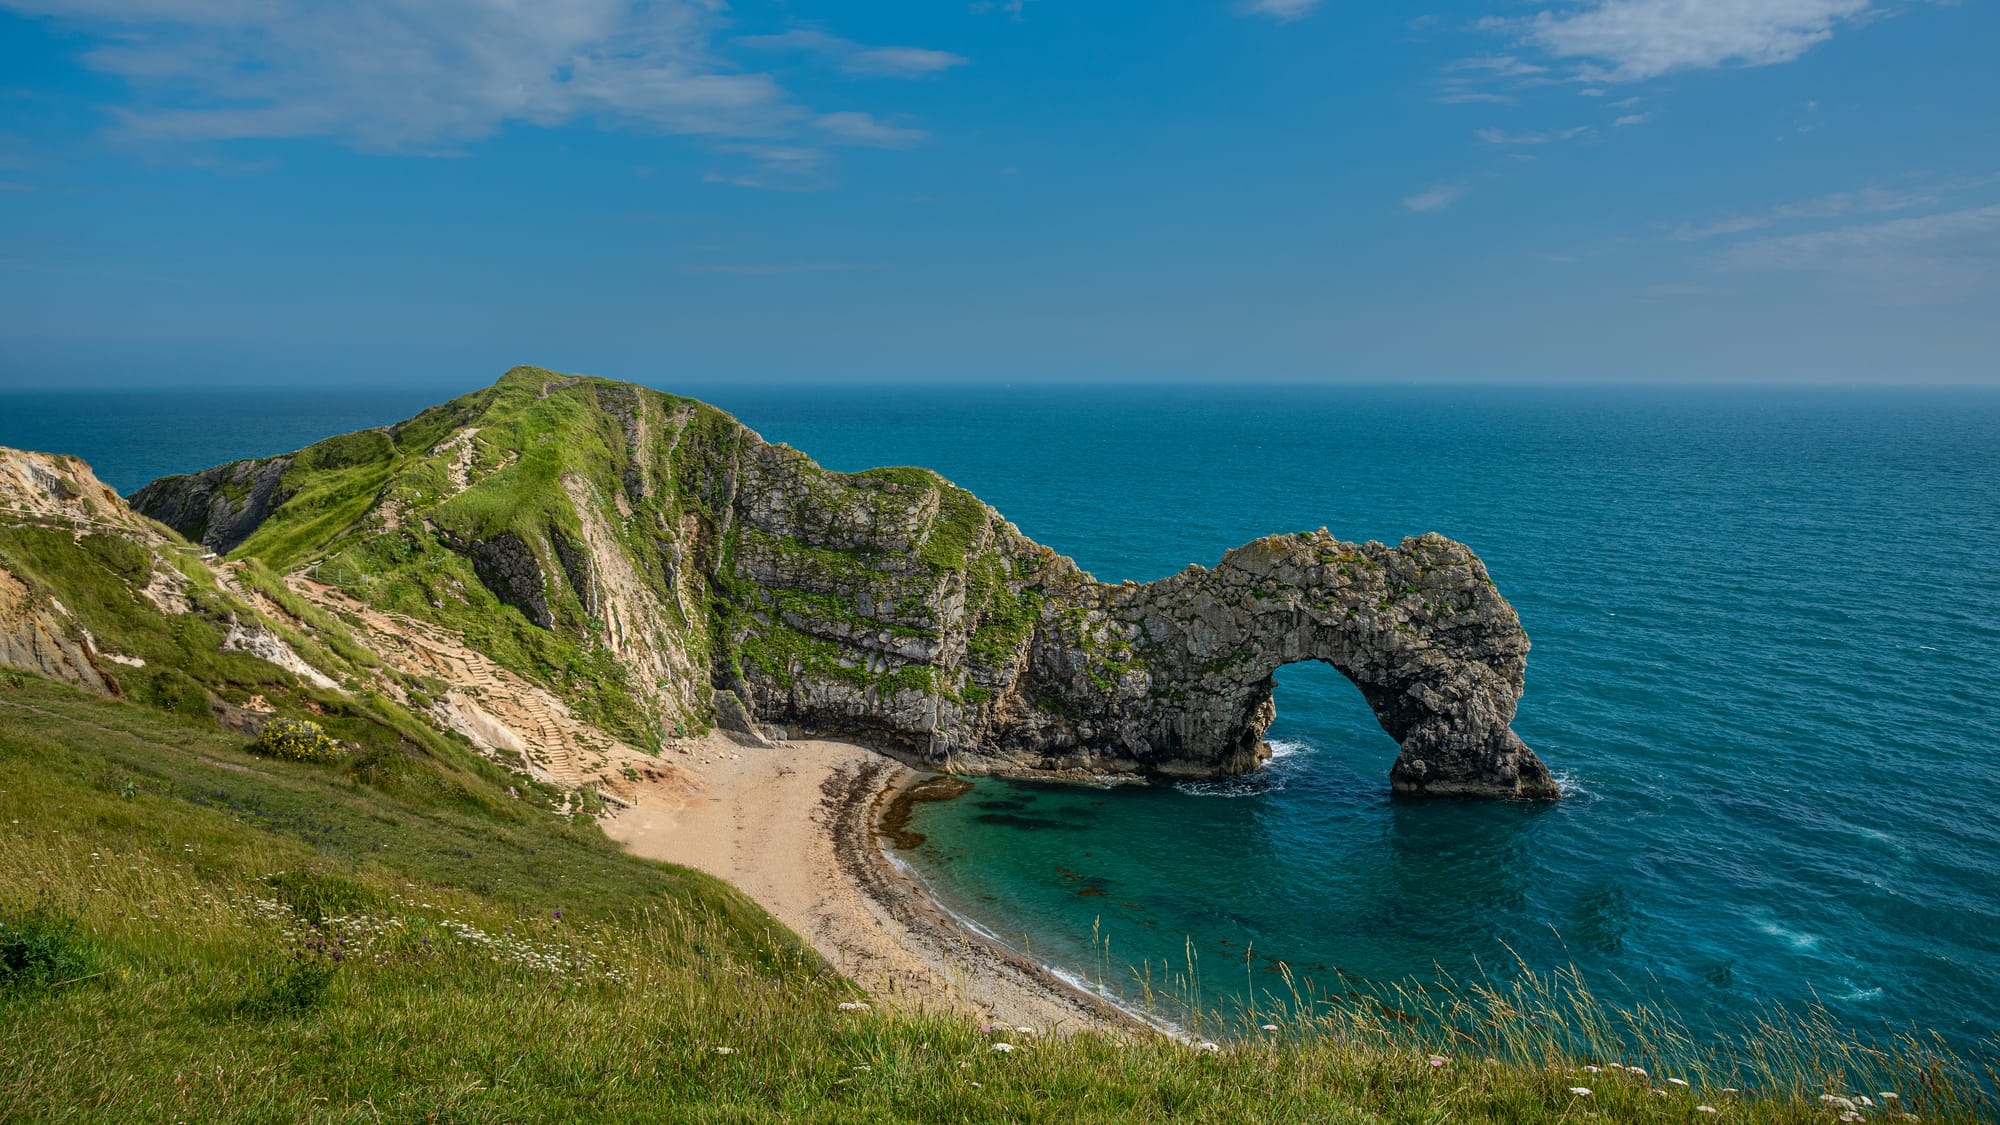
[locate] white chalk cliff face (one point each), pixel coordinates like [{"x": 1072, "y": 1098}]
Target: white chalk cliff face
[{"x": 649, "y": 556}]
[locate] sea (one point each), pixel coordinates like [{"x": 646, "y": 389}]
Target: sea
[{"x": 1766, "y": 670}]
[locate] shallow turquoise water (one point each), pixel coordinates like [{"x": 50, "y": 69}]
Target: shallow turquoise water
[{"x": 1766, "y": 664}]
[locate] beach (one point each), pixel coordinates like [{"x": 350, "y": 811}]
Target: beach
[{"x": 794, "y": 826}]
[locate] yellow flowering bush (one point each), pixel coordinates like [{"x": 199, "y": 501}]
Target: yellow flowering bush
[{"x": 296, "y": 740}]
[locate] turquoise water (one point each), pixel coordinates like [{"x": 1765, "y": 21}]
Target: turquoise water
[{"x": 1766, "y": 665}]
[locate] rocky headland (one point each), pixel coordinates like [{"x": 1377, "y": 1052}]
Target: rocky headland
[{"x": 662, "y": 569}]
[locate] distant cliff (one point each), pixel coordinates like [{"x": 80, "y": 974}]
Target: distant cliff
[{"x": 662, "y": 567}]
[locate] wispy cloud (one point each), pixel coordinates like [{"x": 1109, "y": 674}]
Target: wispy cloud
[
  {"x": 1926, "y": 258},
  {"x": 1284, "y": 11},
  {"x": 1633, "y": 40},
  {"x": 773, "y": 167},
  {"x": 858, "y": 59},
  {"x": 1434, "y": 199},
  {"x": 1502, "y": 137},
  {"x": 1632, "y": 119},
  {"x": 415, "y": 75},
  {"x": 1868, "y": 201},
  {"x": 853, "y": 128}
]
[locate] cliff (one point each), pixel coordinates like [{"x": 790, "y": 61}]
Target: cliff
[{"x": 661, "y": 567}]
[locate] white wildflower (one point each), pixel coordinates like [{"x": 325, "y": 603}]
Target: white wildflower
[
  {"x": 1706, "y": 1109},
  {"x": 1681, "y": 1082},
  {"x": 725, "y": 1050},
  {"x": 1207, "y": 1046},
  {"x": 1003, "y": 1048},
  {"x": 1837, "y": 1102},
  {"x": 852, "y": 1006},
  {"x": 1580, "y": 1091},
  {"x": 1593, "y": 1069},
  {"x": 1270, "y": 1027}
]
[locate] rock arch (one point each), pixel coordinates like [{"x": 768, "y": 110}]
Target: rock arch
[{"x": 1419, "y": 628}]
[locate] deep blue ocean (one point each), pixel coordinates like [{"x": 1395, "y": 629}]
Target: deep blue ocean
[{"x": 1766, "y": 667}]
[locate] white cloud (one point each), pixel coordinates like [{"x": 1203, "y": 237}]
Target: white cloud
[
  {"x": 855, "y": 58},
  {"x": 1434, "y": 199},
  {"x": 775, "y": 167},
  {"x": 851, "y": 128},
  {"x": 1926, "y": 259},
  {"x": 1631, "y": 119},
  {"x": 1501, "y": 137},
  {"x": 1801, "y": 251},
  {"x": 1633, "y": 40},
  {"x": 1463, "y": 97},
  {"x": 433, "y": 75},
  {"x": 1499, "y": 66},
  {"x": 1284, "y": 11},
  {"x": 1868, "y": 201}
]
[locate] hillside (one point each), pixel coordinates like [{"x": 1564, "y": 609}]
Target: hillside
[
  {"x": 434, "y": 927},
  {"x": 660, "y": 568}
]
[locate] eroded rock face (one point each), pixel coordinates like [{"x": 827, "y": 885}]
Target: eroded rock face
[
  {"x": 220, "y": 507},
  {"x": 728, "y": 579},
  {"x": 1012, "y": 660}
]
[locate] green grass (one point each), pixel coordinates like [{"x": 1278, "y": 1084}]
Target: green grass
[{"x": 246, "y": 940}]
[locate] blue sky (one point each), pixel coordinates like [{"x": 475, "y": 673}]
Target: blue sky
[{"x": 292, "y": 191}]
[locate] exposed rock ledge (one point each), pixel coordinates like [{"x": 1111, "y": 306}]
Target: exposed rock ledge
[{"x": 734, "y": 579}]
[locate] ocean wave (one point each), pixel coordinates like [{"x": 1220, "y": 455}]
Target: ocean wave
[{"x": 1797, "y": 939}]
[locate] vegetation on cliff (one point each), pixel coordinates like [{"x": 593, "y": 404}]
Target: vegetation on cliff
[{"x": 637, "y": 552}]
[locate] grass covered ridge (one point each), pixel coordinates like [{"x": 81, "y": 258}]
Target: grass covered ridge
[{"x": 227, "y": 938}]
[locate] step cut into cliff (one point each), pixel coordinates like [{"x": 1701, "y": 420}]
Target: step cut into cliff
[{"x": 660, "y": 567}]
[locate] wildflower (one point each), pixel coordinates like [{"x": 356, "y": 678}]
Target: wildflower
[
  {"x": 1731, "y": 1090},
  {"x": 1580, "y": 1091},
  {"x": 1638, "y": 1070},
  {"x": 1003, "y": 1048},
  {"x": 963, "y": 1065},
  {"x": 1207, "y": 1046},
  {"x": 1594, "y": 1070},
  {"x": 1887, "y": 1095},
  {"x": 1269, "y": 1027},
  {"x": 1025, "y": 1030},
  {"x": 725, "y": 1050},
  {"x": 852, "y": 1006},
  {"x": 1864, "y": 1099},
  {"x": 1706, "y": 1109},
  {"x": 1852, "y": 1117},
  {"x": 1437, "y": 1060},
  {"x": 976, "y": 1086},
  {"x": 1681, "y": 1082},
  {"x": 1657, "y": 1092},
  {"x": 1835, "y": 1101}
]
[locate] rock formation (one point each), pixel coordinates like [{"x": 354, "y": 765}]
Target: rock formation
[{"x": 648, "y": 558}]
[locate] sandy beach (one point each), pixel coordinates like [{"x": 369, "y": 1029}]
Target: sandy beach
[{"x": 794, "y": 827}]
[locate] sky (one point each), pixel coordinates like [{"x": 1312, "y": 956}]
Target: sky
[{"x": 298, "y": 192}]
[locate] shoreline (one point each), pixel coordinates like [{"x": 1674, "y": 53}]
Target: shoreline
[{"x": 798, "y": 827}]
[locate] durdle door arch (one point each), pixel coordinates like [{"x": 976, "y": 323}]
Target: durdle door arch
[{"x": 1420, "y": 629}]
